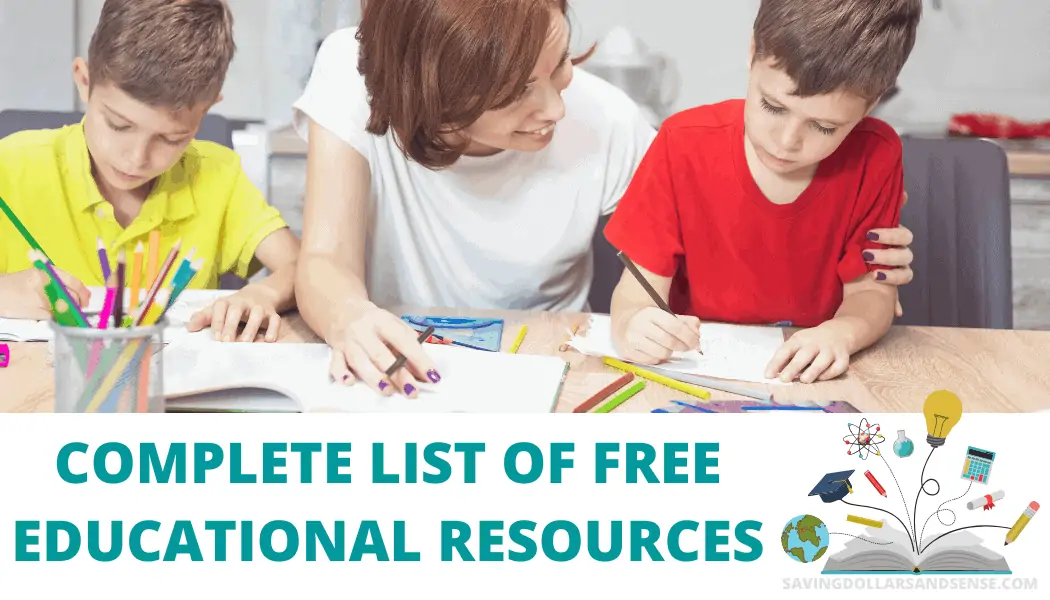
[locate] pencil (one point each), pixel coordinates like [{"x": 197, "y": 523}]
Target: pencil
[
  {"x": 72, "y": 313},
  {"x": 28, "y": 237},
  {"x": 622, "y": 397},
  {"x": 157, "y": 282},
  {"x": 565, "y": 346},
  {"x": 118, "y": 308},
  {"x": 627, "y": 262},
  {"x": 724, "y": 386},
  {"x": 692, "y": 390},
  {"x": 154, "y": 257},
  {"x": 604, "y": 393},
  {"x": 400, "y": 362},
  {"x": 136, "y": 275},
  {"x": 103, "y": 261},
  {"x": 519, "y": 339}
]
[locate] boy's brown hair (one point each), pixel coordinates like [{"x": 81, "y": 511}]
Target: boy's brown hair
[
  {"x": 827, "y": 45},
  {"x": 165, "y": 53},
  {"x": 434, "y": 66}
]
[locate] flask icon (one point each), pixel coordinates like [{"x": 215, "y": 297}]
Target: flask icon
[{"x": 903, "y": 447}]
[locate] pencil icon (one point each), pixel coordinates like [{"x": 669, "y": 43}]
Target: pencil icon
[
  {"x": 875, "y": 483},
  {"x": 1022, "y": 522}
]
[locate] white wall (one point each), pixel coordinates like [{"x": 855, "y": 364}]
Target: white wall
[
  {"x": 986, "y": 55},
  {"x": 36, "y": 54}
]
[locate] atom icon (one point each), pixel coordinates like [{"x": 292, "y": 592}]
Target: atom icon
[{"x": 864, "y": 439}]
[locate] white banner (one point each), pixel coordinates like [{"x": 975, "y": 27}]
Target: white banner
[{"x": 545, "y": 506}]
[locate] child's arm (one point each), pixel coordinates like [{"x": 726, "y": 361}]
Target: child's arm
[
  {"x": 644, "y": 333},
  {"x": 824, "y": 352}
]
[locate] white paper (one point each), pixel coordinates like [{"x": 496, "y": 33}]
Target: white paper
[
  {"x": 189, "y": 302},
  {"x": 472, "y": 381},
  {"x": 733, "y": 352}
]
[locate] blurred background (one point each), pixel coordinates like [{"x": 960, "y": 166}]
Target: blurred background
[{"x": 973, "y": 57}]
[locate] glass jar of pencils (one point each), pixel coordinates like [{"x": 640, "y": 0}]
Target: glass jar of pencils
[{"x": 113, "y": 370}]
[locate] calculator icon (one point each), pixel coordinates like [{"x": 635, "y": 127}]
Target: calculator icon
[{"x": 978, "y": 464}]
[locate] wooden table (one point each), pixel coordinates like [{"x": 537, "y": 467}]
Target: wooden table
[{"x": 990, "y": 370}]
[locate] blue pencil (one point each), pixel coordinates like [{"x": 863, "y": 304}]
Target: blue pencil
[{"x": 817, "y": 408}]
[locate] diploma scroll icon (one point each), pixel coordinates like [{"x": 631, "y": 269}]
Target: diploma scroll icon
[{"x": 986, "y": 502}]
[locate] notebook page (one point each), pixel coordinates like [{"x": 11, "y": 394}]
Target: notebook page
[
  {"x": 472, "y": 381},
  {"x": 734, "y": 352}
]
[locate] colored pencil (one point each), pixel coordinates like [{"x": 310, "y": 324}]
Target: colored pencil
[
  {"x": 136, "y": 275},
  {"x": 437, "y": 339},
  {"x": 723, "y": 386},
  {"x": 107, "y": 306},
  {"x": 28, "y": 237},
  {"x": 627, "y": 262},
  {"x": 685, "y": 388},
  {"x": 179, "y": 285},
  {"x": 118, "y": 309},
  {"x": 400, "y": 361},
  {"x": 73, "y": 315},
  {"x": 158, "y": 280},
  {"x": 103, "y": 260},
  {"x": 622, "y": 397},
  {"x": 154, "y": 258},
  {"x": 519, "y": 339},
  {"x": 604, "y": 393}
]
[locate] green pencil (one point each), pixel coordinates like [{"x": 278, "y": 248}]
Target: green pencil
[
  {"x": 622, "y": 397},
  {"x": 22, "y": 229},
  {"x": 72, "y": 317}
]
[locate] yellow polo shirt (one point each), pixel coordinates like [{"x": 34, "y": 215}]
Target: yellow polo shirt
[{"x": 206, "y": 200}]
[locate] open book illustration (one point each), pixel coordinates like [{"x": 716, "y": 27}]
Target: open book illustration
[
  {"x": 735, "y": 352},
  {"x": 189, "y": 302},
  {"x": 888, "y": 550},
  {"x": 295, "y": 378}
]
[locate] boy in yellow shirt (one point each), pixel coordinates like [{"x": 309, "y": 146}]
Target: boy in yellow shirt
[{"x": 131, "y": 167}]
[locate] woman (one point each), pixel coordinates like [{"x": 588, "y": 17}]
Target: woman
[{"x": 451, "y": 164}]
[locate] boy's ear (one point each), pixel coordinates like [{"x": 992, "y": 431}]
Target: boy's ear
[{"x": 81, "y": 78}]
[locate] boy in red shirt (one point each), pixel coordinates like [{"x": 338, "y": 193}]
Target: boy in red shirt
[{"x": 758, "y": 211}]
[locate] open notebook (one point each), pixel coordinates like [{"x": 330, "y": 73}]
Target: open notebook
[
  {"x": 733, "y": 352},
  {"x": 295, "y": 378},
  {"x": 888, "y": 550},
  {"x": 189, "y": 302}
]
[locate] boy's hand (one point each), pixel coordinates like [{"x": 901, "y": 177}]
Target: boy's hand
[
  {"x": 22, "y": 294},
  {"x": 652, "y": 335},
  {"x": 255, "y": 305},
  {"x": 820, "y": 353}
]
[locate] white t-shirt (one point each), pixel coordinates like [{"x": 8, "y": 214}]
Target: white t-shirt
[{"x": 508, "y": 231}]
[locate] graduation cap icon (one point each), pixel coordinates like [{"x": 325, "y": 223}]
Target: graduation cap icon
[{"x": 834, "y": 486}]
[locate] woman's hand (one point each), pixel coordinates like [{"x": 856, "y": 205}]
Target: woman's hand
[
  {"x": 899, "y": 257},
  {"x": 362, "y": 344}
]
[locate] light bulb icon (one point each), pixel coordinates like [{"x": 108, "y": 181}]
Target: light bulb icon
[{"x": 943, "y": 410}]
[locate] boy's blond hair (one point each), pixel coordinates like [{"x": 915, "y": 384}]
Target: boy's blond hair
[{"x": 165, "y": 53}]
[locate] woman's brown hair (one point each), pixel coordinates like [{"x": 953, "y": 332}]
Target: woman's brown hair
[{"x": 434, "y": 66}]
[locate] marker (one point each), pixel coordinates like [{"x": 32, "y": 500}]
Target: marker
[
  {"x": 1022, "y": 522},
  {"x": 863, "y": 521},
  {"x": 875, "y": 482}
]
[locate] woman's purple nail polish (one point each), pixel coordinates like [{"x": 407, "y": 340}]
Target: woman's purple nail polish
[
  {"x": 409, "y": 389},
  {"x": 383, "y": 385},
  {"x": 345, "y": 377},
  {"x": 433, "y": 376},
  {"x": 881, "y": 277},
  {"x": 868, "y": 256},
  {"x": 873, "y": 236}
]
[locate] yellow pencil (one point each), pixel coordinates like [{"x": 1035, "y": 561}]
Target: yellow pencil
[
  {"x": 519, "y": 339},
  {"x": 674, "y": 384}
]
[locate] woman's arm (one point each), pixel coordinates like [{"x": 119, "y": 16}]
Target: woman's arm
[{"x": 330, "y": 278}]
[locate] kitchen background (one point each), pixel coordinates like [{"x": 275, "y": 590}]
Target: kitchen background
[{"x": 990, "y": 56}]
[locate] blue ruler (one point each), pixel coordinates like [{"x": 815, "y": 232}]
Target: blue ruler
[{"x": 483, "y": 334}]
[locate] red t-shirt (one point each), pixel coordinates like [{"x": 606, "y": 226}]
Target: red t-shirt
[{"x": 694, "y": 212}]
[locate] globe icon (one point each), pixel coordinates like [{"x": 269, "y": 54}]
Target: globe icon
[{"x": 805, "y": 538}]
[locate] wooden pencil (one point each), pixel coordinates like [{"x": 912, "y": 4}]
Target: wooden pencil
[
  {"x": 103, "y": 261},
  {"x": 400, "y": 361},
  {"x": 604, "y": 393},
  {"x": 157, "y": 282},
  {"x": 136, "y": 275},
  {"x": 28, "y": 237},
  {"x": 154, "y": 258},
  {"x": 518, "y": 340},
  {"x": 622, "y": 397},
  {"x": 627, "y": 262},
  {"x": 118, "y": 308}
]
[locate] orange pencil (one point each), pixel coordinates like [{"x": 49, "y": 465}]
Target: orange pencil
[
  {"x": 136, "y": 275},
  {"x": 604, "y": 393},
  {"x": 154, "y": 257},
  {"x": 157, "y": 282}
]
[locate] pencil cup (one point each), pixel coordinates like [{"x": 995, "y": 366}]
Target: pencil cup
[{"x": 109, "y": 370}]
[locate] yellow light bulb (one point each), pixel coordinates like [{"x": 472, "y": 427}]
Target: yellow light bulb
[{"x": 943, "y": 410}]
